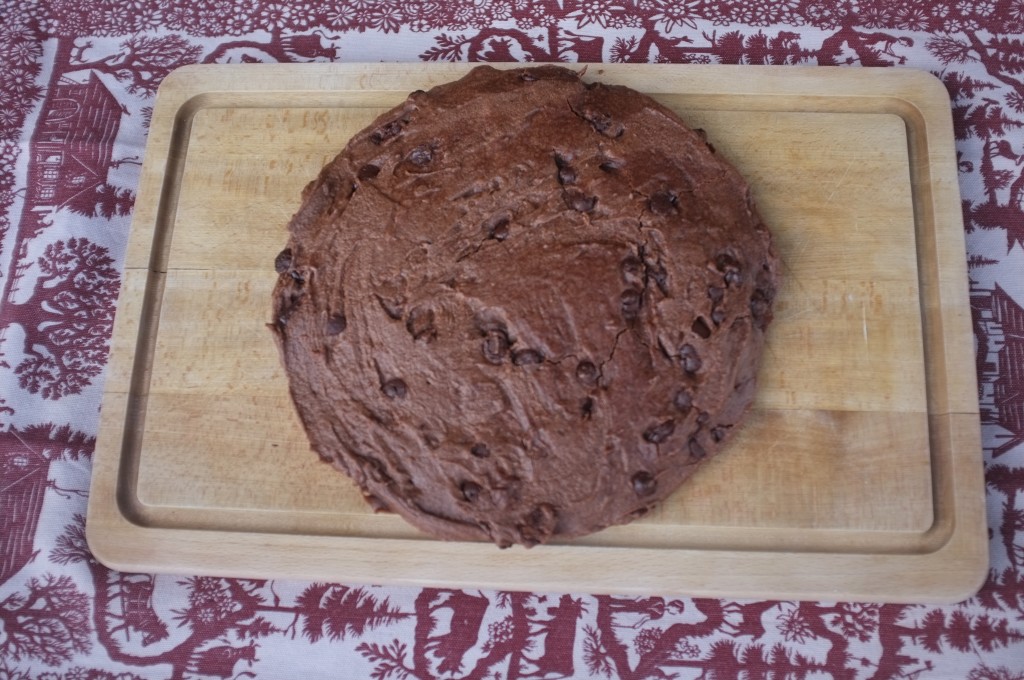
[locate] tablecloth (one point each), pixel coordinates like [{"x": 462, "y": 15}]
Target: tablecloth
[{"x": 76, "y": 91}]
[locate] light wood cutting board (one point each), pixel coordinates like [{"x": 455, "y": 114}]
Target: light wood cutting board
[{"x": 857, "y": 476}]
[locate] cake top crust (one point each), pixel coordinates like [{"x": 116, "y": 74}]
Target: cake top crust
[{"x": 521, "y": 307}]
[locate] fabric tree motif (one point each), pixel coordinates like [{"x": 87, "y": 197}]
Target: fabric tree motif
[
  {"x": 49, "y": 622},
  {"x": 339, "y": 611},
  {"x": 142, "y": 62},
  {"x": 67, "y": 318}
]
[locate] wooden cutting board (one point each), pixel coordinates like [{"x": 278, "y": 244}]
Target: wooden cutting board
[{"x": 857, "y": 476}]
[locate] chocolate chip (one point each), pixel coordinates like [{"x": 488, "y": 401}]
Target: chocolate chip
[
  {"x": 759, "y": 310},
  {"x": 696, "y": 450},
  {"x": 421, "y": 156},
  {"x": 495, "y": 346},
  {"x": 566, "y": 176},
  {"x": 730, "y": 268},
  {"x": 393, "y": 308},
  {"x": 632, "y": 269},
  {"x": 286, "y": 309},
  {"x": 420, "y": 324},
  {"x": 762, "y": 298},
  {"x": 578, "y": 201},
  {"x": 527, "y": 76},
  {"x": 297, "y": 276},
  {"x": 480, "y": 450},
  {"x": 658, "y": 433},
  {"x": 718, "y": 432},
  {"x": 683, "y": 401},
  {"x": 497, "y": 227},
  {"x": 540, "y": 524},
  {"x": 655, "y": 271},
  {"x": 690, "y": 358},
  {"x": 527, "y": 357},
  {"x": 761, "y": 306},
  {"x": 663, "y": 203},
  {"x": 587, "y": 408},
  {"x": 336, "y": 324},
  {"x": 368, "y": 171},
  {"x": 611, "y": 164},
  {"x": 717, "y": 316},
  {"x": 725, "y": 262},
  {"x": 601, "y": 122},
  {"x": 283, "y": 261},
  {"x": 702, "y": 418},
  {"x": 644, "y": 483},
  {"x": 394, "y": 388},
  {"x": 629, "y": 303},
  {"x": 587, "y": 373},
  {"x": 386, "y": 132},
  {"x": 470, "y": 491},
  {"x": 716, "y": 294},
  {"x": 700, "y": 327}
]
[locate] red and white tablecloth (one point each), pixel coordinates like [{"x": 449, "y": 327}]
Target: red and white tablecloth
[{"x": 77, "y": 83}]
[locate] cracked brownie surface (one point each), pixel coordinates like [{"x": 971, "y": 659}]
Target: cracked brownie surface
[{"x": 520, "y": 307}]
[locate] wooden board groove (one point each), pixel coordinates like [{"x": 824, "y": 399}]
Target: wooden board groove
[{"x": 858, "y": 475}]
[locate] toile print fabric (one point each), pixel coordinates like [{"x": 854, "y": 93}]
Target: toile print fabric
[{"x": 76, "y": 89}]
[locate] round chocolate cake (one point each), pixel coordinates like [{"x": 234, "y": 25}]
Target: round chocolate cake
[{"x": 520, "y": 307}]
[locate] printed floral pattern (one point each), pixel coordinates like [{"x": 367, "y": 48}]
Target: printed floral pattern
[{"x": 77, "y": 88}]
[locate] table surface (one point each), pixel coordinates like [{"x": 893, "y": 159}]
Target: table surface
[{"x": 76, "y": 92}]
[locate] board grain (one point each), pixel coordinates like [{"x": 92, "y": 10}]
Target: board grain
[{"x": 856, "y": 476}]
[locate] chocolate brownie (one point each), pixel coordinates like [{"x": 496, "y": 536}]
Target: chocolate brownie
[{"x": 522, "y": 307}]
